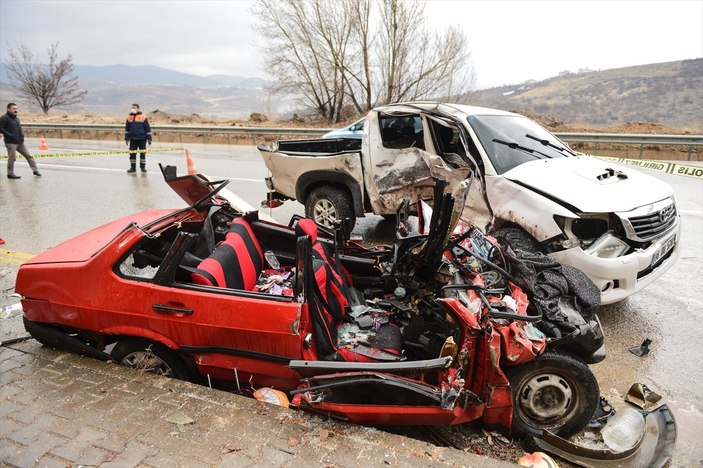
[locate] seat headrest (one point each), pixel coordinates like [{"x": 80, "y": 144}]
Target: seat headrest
[{"x": 306, "y": 227}]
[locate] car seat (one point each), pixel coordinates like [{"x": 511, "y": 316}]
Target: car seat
[
  {"x": 235, "y": 263},
  {"x": 330, "y": 304}
]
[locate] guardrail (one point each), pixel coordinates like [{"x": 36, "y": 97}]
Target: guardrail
[{"x": 618, "y": 138}]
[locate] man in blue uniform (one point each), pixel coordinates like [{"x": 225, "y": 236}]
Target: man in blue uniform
[{"x": 137, "y": 132}]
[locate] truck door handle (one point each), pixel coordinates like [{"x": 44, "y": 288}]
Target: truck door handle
[{"x": 171, "y": 310}]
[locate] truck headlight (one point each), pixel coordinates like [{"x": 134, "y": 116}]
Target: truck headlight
[{"x": 607, "y": 246}]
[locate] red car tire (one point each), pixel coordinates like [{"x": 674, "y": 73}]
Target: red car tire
[{"x": 149, "y": 356}]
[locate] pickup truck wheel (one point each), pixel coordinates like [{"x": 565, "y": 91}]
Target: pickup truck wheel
[
  {"x": 326, "y": 204},
  {"x": 518, "y": 239},
  {"x": 149, "y": 356},
  {"x": 556, "y": 392}
]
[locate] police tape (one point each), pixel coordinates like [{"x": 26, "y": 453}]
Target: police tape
[
  {"x": 686, "y": 170},
  {"x": 101, "y": 153}
]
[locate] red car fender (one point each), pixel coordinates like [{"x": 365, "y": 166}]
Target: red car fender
[
  {"x": 495, "y": 389},
  {"x": 138, "y": 332},
  {"x": 483, "y": 345},
  {"x": 518, "y": 348}
]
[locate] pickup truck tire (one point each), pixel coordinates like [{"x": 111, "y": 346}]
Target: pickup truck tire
[
  {"x": 325, "y": 204},
  {"x": 518, "y": 239}
]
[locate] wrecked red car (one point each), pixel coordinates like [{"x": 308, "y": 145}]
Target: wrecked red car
[{"x": 436, "y": 329}]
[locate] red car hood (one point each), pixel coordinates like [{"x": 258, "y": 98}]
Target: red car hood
[{"x": 84, "y": 246}]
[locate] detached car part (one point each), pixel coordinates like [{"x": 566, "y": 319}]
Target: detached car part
[{"x": 653, "y": 446}]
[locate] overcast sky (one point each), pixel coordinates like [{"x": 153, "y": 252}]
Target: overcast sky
[{"x": 511, "y": 41}]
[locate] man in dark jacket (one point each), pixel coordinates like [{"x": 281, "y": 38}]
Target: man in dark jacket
[
  {"x": 137, "y": 132},
  {"x": 14, "y": 141}
]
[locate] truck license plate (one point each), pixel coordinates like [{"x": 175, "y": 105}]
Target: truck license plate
[{"x": 664, "y": 249}]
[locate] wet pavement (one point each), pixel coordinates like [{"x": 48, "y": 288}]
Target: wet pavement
[{"x": 78, "y": 193}]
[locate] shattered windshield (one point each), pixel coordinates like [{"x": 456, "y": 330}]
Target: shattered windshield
[{"x": 510, "y": 140}]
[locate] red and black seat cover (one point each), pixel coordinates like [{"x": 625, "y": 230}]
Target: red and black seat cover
[
  {"x": 235, "y": 263},
  {"x": 330, "y": 303}
]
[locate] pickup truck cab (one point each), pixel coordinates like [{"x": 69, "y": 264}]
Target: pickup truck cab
[{"x": 620, "y": 226}]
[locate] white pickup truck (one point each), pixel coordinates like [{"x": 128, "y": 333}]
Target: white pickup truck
[{"x": 616, "y": 224}]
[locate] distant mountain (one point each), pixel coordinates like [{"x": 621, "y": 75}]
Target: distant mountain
[
  {"x": 112, "y": 88},
  {"x": 151, "y": 75},
  {"x": 669, "y": 93},
  {"x": 666, "y": 93}
]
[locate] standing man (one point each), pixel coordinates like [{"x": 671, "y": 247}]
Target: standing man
[
  {"x": 14, "y": 141},
  {"x": 137, "y": 132}
]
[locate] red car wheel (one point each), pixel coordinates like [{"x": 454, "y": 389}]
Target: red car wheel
[{"x": 149, "y": 356}]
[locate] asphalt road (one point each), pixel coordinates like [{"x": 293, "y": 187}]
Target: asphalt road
[{"x": 79, "y": 193}]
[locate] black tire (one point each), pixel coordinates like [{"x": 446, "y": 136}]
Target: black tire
[
  {"x": 325, "y": 204},
  {"x": 518, "y": 239},
  {"x": 556, "y": 392},
  {"x": 149, "y": 356}
]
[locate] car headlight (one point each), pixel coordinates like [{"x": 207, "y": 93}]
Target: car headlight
[{"x": 607, "y": 246}]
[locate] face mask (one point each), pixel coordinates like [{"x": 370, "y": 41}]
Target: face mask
[{"x": 134, "y": 111}]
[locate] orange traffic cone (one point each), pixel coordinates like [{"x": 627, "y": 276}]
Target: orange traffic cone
[
  {"x": 189, "y": 161},
  {"x": 42, "y": 144}
]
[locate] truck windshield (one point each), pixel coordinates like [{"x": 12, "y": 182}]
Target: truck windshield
[{"x": 510, "y": 140}]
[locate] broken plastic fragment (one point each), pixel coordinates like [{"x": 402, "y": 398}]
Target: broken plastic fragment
[
  {"x": 272, "y": 396},
  {"x": 624, "y": 430},
  {"x": 272, "y": 260},
  {"x": 537, "y": 460},
  {"x": 642, "y": 349},
  {"x": 644, "y": 397},
  {"x": 654, "y": 443}
]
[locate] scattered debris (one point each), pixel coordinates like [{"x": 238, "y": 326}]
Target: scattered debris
[
  {"x": 495, "y": 438},
  {"x": 11, "y": 311},
  {"x": 272, "y": 396},
  {"x": 231, "y": 450},
  {"x": 645, "y": 431},
  {"x": 641, "y": 350},
  {"x": 537, "y": 460},
  {"x": 181, "y": 420},
  {"x": 604, "y": 412}
]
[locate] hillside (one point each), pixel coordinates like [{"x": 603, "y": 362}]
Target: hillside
[{"x": 668, "y": 93}]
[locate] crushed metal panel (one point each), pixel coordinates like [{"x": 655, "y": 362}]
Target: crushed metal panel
[
  {"x": 511, "y": 202},
  {"x": 654, "y": 446},
  {"x": 287, "y": 169},
  {"x": 321, "y": 387}
]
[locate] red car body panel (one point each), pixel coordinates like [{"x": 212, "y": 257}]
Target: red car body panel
[{"x": 80, "y": 288}]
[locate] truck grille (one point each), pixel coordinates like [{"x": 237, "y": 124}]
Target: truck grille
[{"x": 653, "y": 224}]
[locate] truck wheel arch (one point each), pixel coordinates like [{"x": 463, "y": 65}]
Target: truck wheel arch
[{"x": 313, "y": 179}]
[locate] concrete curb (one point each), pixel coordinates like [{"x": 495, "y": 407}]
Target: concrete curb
[{"x": 60, "y": 409}]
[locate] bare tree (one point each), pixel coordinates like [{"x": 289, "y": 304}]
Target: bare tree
[
  {"x": 332, "y": 55},
  {"x": 306, "y": 47},
  {"x": 49, "y": 85},
  {"x": 358, "y": 69},
  {"x": 416, "y": 64}
]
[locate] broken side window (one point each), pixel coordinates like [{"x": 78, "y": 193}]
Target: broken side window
[{"x": 402, "y": 131}]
